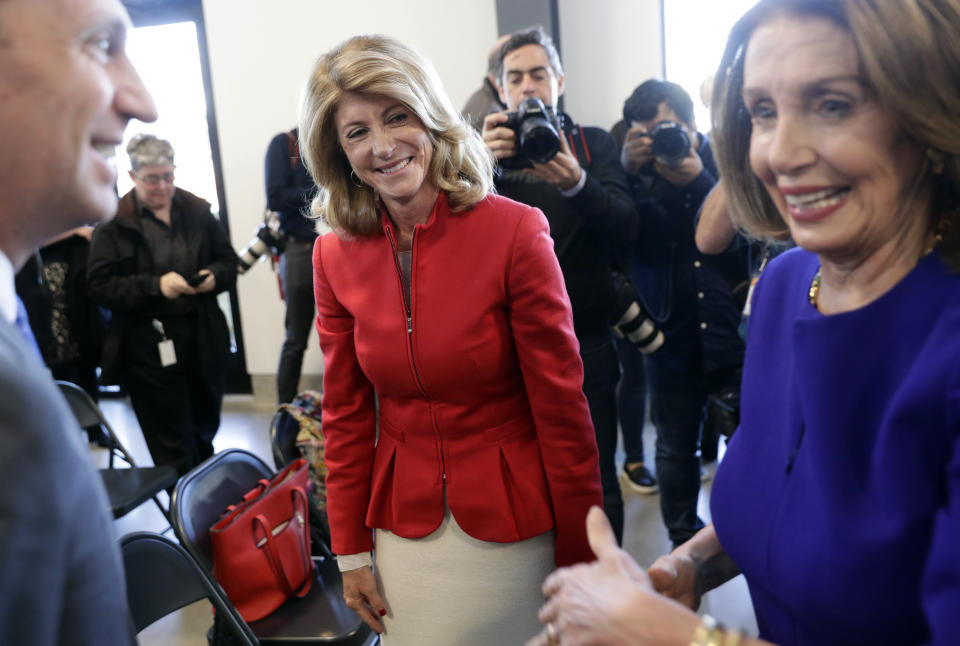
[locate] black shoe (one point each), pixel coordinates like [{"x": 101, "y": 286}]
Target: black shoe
[{"x": 640, "y": 480}]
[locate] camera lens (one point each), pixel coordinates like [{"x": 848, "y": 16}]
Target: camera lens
[
  {"x": 539, "y": 140},
  {"x": 251, "y": 253},
  {"x": 670, "y": 143}
]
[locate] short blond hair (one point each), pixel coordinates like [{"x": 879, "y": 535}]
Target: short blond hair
[
  {"x": 376, "y": 65},
  {"x": 894, "y": 39}
]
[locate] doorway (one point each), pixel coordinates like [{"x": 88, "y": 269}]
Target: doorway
[{"x": 168, "y": 47}]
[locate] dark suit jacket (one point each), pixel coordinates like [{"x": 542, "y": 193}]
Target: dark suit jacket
[{"x": 61, "y": 578}]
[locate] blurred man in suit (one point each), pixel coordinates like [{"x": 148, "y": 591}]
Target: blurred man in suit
[{"x": 67, "y": 91}]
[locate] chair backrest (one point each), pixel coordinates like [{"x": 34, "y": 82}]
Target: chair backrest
[
  {"x": 84, "y": 408},
  {"x": 162, "y": 578},
  {"x": 202, "y": 495},
  {"x": 88, "y": 414},
  {"x": 283, "y": 439}
]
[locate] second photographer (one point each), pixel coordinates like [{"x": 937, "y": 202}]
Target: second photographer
[
  {"x": 289, "y": 190},
  {"x": 582, "y": 190},
  {"x": 671, "y": 169}
]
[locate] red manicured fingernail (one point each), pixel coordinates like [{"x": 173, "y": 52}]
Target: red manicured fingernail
[{"x": 383, "y": 612}]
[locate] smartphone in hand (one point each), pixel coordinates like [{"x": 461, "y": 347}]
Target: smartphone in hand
[{"x": 196, "y": 279}]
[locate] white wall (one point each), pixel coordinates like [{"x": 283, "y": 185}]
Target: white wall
[
  {"x": 260, "y": 53},
  {"x": 609, "y": 48}
]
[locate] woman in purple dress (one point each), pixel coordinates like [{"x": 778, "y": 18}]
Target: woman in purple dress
[{"x": 838, "y": 123}]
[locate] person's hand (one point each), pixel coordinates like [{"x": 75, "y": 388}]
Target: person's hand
[
  {"x": 684, "y": 172},
  {"x": 609, "y": 602},
  {"x": 675, "y": 576},
  {"x": 173, "y": 284},
  {"x": 208, "y": 284},
  {"x": 563, "y": 171},
  {"x": 501, "y": 141},
  {"x": 363, "y": 597},
  {"x": 637, "y": 150},
  {"x": 85, "y": 232}
]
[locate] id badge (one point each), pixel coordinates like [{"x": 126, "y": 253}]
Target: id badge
[{"x": 168, "y": 356}]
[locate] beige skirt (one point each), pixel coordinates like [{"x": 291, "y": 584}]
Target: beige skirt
[{"x": 450, "y": 589}]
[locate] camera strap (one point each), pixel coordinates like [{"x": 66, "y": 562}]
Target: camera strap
[{"x": 578, "y": 144}]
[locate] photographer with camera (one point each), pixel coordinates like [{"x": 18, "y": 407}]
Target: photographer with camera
[
  {"x": 694, "y": 379},
  {"x": 573, "y": 175},
  {"x": 289, "y": 190}
]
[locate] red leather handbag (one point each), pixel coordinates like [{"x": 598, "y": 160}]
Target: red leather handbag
[{"x": 261, "y": 545}]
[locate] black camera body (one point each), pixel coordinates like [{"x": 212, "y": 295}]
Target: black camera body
[
  {"x": 538, "y": 129},
  {"x": 670, "y": 143}
]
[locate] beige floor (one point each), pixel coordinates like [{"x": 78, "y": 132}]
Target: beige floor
[{"x": 245, "y": 424}]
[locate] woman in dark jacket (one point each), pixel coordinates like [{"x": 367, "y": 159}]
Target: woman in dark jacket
[{"x": 158, "y": 267}]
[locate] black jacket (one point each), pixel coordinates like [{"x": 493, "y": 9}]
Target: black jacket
[
  {"x": 586, "y": 227},
  {"x": 121, "y": 277},
  {"x": 289, "y": 187},
  {"x": 687, "y": 292}
]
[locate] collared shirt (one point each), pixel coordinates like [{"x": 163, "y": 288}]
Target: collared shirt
[
  {"x": 8, "y": 293},
  {"x": 10, "y": 305},
  {"x": 170, "y": 252},
  {"x": 167, "y": 245}
]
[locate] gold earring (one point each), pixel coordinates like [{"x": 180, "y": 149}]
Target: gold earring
[
  {"x": 356, "y": 180},
  {"x": 936, "y": 160}
]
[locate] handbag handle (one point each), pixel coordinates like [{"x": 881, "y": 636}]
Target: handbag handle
[
  {"x": 253, "y": 494},
  {"x": 262, "y": 485},
  {"x": 273, "y": 556}
]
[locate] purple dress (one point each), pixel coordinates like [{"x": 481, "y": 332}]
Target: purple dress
[{"x": 839, "y": 496}]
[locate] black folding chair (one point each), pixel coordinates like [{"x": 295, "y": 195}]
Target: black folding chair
[
  {"x": 127, "y": 488},
  {"x": 163, "y": 578},
  {"x": 200, "y": 498}
]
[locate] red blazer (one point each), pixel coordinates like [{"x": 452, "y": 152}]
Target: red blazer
[{"x": 481, "y": 388}]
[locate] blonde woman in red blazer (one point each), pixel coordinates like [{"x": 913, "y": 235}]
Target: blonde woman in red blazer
[{"x": 446, "y": 305}]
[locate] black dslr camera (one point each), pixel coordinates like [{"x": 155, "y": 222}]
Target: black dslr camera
[
  {"x": 538, "y": 134},
  {"x": 670, "y": 143}
]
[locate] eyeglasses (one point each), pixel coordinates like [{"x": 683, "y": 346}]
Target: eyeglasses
[{"x": 154, "y": 180}]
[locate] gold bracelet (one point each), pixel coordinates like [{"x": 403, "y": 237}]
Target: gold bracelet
[
  {"x": 711, "y": 632},
  {"x": 708, "y": 633},
  {"x": 733, "y": 638}
]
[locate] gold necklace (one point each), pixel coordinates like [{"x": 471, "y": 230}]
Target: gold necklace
[{"x": 814, "y": 292}]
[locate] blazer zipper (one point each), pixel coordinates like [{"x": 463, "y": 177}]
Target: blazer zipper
[{"x": 409, "y": 313}]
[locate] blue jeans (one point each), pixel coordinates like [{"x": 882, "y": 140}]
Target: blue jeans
[
  {"x": 631, "y": 399},
  {"x": 296, "y": 273},
  {"x": 677, "y": 397},
  {"x": 601, "y": 371}
]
